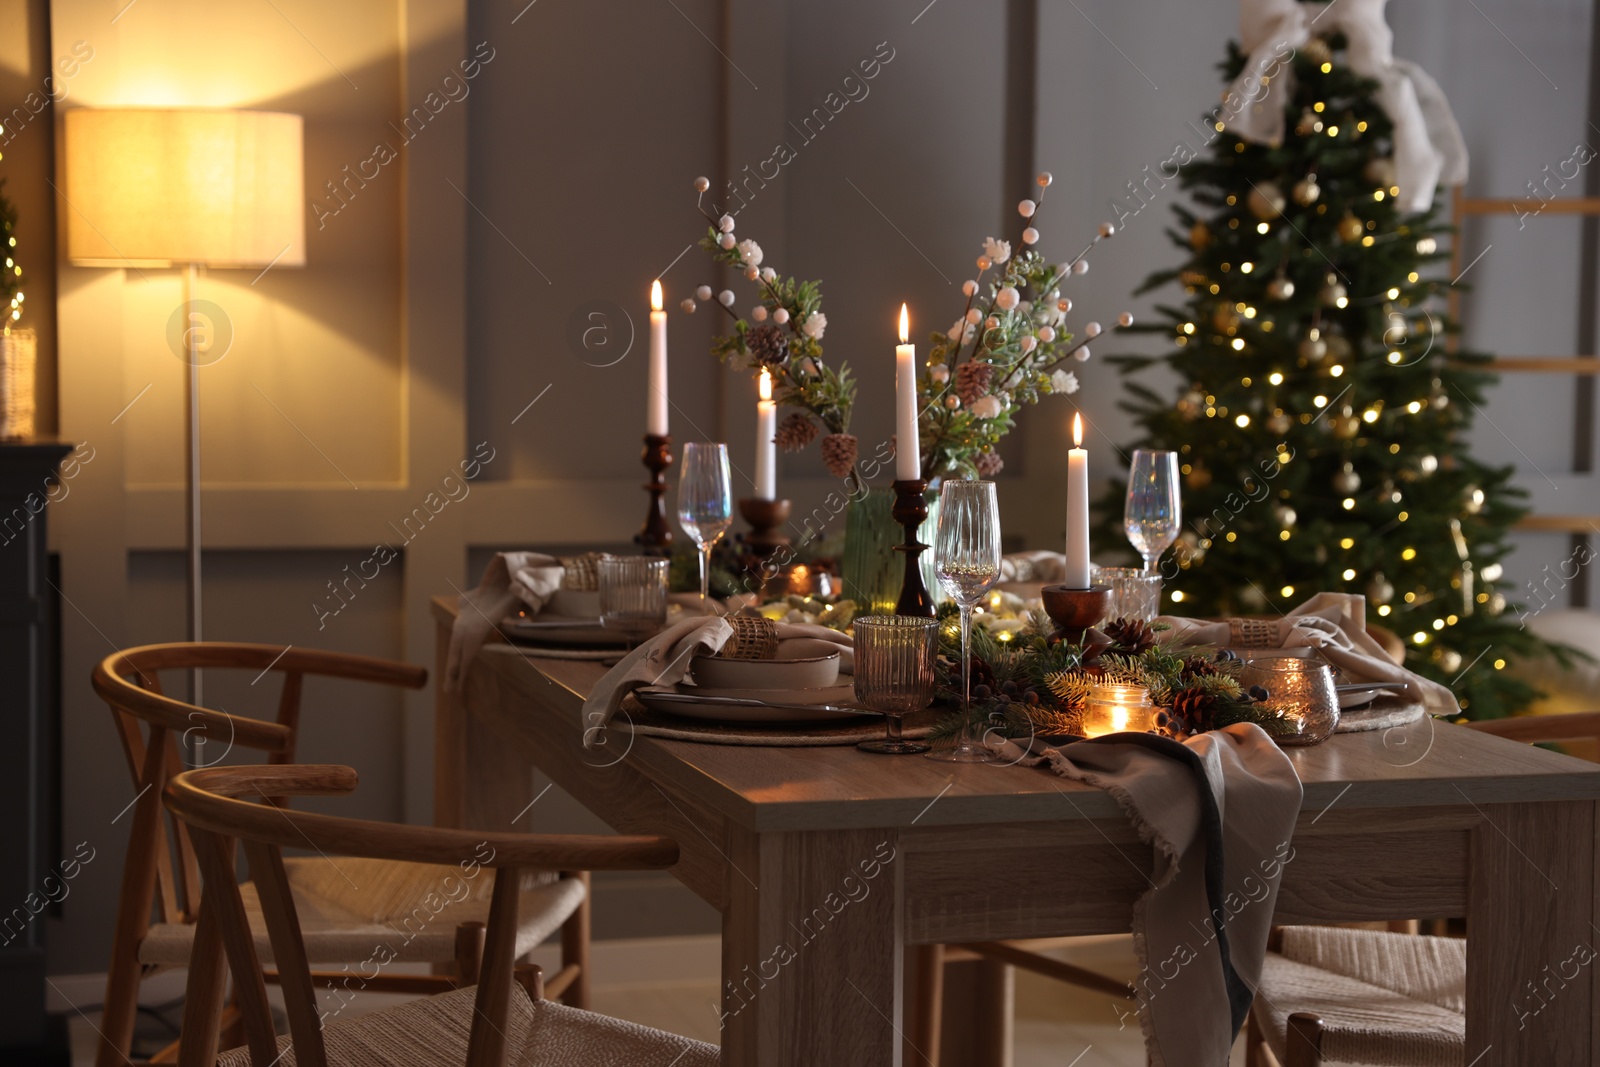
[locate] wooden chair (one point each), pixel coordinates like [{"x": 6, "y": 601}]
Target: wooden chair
[
  {"x": 493, "y": 1025},
  {"x": 348, "y": 909},
  {"x": 1370, "y": 996}
]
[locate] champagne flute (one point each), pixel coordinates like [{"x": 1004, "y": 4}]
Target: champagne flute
[
  {"x": 1154, "y": 513},
  {"x": 705, "y": 502},
  {"x": 967, "y": 561}
]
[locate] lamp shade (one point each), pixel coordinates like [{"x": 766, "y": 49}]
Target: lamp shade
[{"x": 163, "y": 186}]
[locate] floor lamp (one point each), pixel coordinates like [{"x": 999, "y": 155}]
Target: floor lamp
[{"x": 189, "y": 187}]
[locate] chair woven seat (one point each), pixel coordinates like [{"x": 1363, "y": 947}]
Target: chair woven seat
[
  {"x": 433, "y": 1032},
  {"x": 1387, "y": 1000},
  {"x": 351, "y": 908}
]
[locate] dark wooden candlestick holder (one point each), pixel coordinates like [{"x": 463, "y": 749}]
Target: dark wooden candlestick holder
[
  {"x": 656, "y": 536},
  {"x": 1074, "y": 611},
  {"x": 910, "y": 511},
  {"x": 766, "y": 519}
]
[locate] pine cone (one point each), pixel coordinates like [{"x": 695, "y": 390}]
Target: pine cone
[
  {"x": 972, "y": 380},
  {"x": 795, "y": 432},
  {"x": 1129, "y": 637},
  {"x": 839, "y": 454},
  {"x": 1199, "y": 667},
  {"x": 768, "y": 343},
  {"x": 988, "y": 464},
  {"x": 1193, "y": 711}
]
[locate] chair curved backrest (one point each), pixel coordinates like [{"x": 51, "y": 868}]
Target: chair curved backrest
[
  {"x": 211, "y": 803},
  {"x": 160, "y": 876}
]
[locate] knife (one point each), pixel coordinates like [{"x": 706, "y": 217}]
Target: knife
[{"x": 667, "y": 696}]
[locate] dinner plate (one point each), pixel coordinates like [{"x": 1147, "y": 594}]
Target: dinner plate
[
  {"x": 548, "y": 629},
  {"x": 834, "y": 694}
]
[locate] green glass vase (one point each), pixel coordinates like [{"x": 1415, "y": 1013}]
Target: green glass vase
[{"x": 871, "y": 570}]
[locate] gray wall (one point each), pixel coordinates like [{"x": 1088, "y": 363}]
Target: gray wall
[{"x": 437, "y": 306}]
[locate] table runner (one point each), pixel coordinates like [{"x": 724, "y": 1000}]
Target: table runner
[{"x": 1218, "y": 811}]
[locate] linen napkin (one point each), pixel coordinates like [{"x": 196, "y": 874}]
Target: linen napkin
[
  {"x": 1218, "y": 811},
  {"x": 1333, "y": 623},
  {"x": 1047, "y": 567},
  {"x": 512, "y": 578},
  {"x": 665, "y": 658}
]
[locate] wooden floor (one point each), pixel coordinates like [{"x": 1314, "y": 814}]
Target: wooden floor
[{"x": 1056, "y": 1026}]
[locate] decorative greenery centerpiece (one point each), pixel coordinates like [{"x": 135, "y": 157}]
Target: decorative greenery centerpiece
[
  {"x": 1005, "y": 350},
  {"x": 1025, "y": 686}
]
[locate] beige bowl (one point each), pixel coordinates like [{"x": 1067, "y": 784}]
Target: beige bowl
[{"x": 815, "y": 672}]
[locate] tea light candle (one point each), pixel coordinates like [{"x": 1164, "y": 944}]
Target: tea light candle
[{"x": 1113, "y": 709}]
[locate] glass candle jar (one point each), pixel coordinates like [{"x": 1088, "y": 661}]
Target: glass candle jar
[
  {"x": 1302, "y": 690},
  {"x": 1113, "y": 709}
]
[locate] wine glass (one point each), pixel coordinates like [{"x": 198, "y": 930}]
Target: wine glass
[
  {"x": 894, "y": 673},
  {"x": 633, "y": 595},
  {"x": 1154, "y": 514},
  {"x": 705, "y": 502},
  {"x": 966, "y": 558}
]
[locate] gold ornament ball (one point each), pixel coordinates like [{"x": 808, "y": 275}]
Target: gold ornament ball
[
  {"x": 1333, "y": 294},
  {"x": 1380, "y": 590},
  {"x": 1306, "y": 191},
  {"x": 1265, "y": 201},
  {"x": 1308, "y": 124},
  {"x": 1347, "y": 481},
  {"x": 1224, "y": 318},
  {"x": 1280, "y": 288},
  {"x": 1199, "y": 477},
  {"x": 1496, "y": 604},
  {"x": 1474, "y": 500},
  {"x": 1450, "y": 660},
  {"x": 1199, "y": 236},
  {"x": 952, "y": 402},
  {"x": 1312, "y": 349},
  {"x": 1380, "y": 172},
  {"x": 1350, "y": 229},
  {"x": 1285, "y": 515},
  {"x": 1346, "y": 427}
]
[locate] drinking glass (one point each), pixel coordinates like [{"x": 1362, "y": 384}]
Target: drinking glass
[
  {"x": 1302, "y": 689},
  {"x": 966, "y": 558},
  {"x": 1153, "y": 515},
  {"x": 895, "y": 673},
  {"x": 705, "y": 502},
  {"x": 633, "y": 595},
  {"x": 1135, "y": 592}
]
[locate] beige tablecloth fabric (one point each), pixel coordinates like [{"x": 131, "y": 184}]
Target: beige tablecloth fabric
[
  {"x": 1218, "y": 810},
  {"x": 512, "y": 578}
]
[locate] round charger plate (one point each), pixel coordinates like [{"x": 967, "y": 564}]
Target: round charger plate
[
  {"x": 835, "y": 694},
  {"x": 548, "y": 629},
  {"x": 1385, "y": 712}
]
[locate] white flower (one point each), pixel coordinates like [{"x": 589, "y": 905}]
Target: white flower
[
  {"x": 1063, "y": 382},
  {"x": 969, "y": 287},
  {"x": 780, "y": 315},
  {"x": 750, "y": 252},
  {"x": 985, "y": 407},
  {"x": 939, "y": 372},
  {"x": 703, "y": 293},
  {"x": 767, "y": 274},
  {"x": 998, "y": 251},
  {"x": 815, "y": 323},
  {"x": 759, "y": 313},
  {"x": 726, "y": 241},
  {"x": 1006, "y": 299},
  {"x": 725, "y": 224}
]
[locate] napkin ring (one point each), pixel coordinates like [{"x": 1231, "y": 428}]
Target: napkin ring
[
  {"x": 1253, "y": 633},
  {"x": 754, "y": 637},
  {"x": 582, "y": 573}
]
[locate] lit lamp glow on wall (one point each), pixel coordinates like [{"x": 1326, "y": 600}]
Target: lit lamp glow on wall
[
  {"x": 166, "y": 187},
  {"x": 1115, "y": 709}
]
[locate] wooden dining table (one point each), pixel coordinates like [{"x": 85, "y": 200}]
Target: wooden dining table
[{"x": 826, "y": 863}]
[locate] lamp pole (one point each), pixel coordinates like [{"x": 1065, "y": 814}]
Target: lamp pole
[{"x": 191, "y": 425}]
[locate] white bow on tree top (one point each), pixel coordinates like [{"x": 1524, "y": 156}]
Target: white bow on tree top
[{"x": 1428, "y": 148}]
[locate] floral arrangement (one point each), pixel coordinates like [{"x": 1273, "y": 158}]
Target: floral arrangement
[
  {"x": 1005, "y": 351},
  {"x": 783, "y": 336},
  {"x": 1025, "y": 686}
]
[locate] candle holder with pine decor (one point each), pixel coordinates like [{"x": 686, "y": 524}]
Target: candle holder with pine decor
[{"x": 655, "y": 539}]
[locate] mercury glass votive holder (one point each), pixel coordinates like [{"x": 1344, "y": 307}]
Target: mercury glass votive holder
[
  {"x": 1302, "y": 690},
  {"x": 1135, "y": 592},
  {"x": 894, "y": 673},
  {"x": 1115, "y": 708}
]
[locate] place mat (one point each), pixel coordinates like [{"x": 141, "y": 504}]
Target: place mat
[
  {"x": 1384, "y": 713},
  {"x": 776, "y": 735},
  {"x": 518, "y": 648}
]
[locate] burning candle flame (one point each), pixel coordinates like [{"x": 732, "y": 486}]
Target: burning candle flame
[
  {"x": 655, "y": 295},
  {"x": 905, "y": 325},
  {"x": 766, "y": 385},
  {"x": 1077, "y": 431}
]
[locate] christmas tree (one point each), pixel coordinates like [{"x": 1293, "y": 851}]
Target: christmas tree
[{"x": 1320, "y": 421}]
